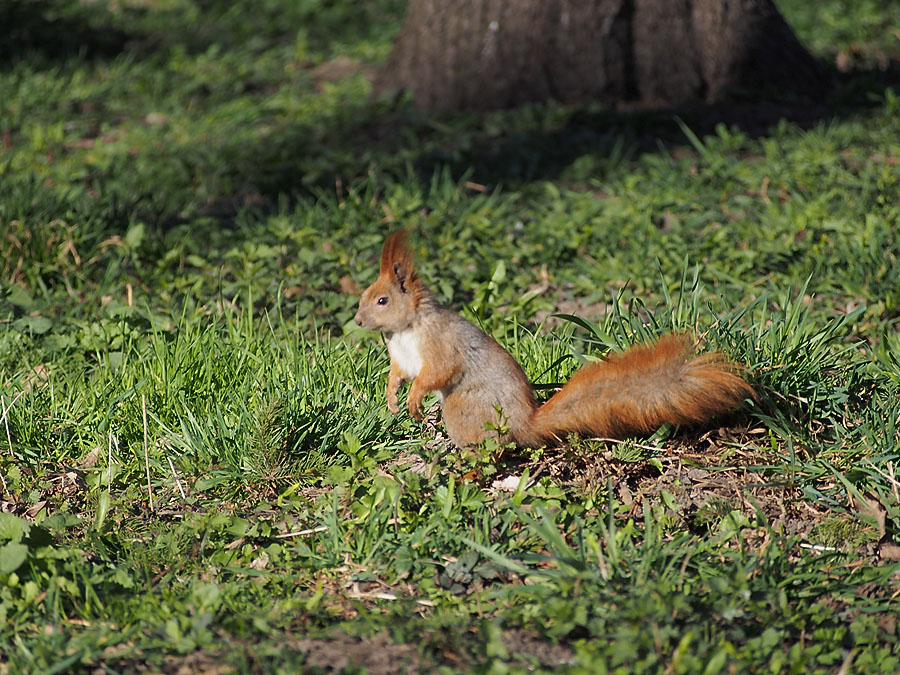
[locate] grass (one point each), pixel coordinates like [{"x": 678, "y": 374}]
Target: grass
[{"x": 192, "y": 196}]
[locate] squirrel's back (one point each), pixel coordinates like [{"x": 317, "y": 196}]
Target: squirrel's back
[{"x": 490, "y": 386}]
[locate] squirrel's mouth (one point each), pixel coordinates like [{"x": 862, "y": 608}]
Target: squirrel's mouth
[{"x": 364, "y": 322}]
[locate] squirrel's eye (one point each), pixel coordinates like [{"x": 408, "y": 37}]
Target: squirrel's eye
[{"x": 382, "y": 301}]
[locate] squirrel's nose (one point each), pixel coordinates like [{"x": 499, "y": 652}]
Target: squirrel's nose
[{"x": 357, "y": 319}]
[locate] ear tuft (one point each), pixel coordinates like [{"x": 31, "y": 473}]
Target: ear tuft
[{"x": 396, "y": 260}]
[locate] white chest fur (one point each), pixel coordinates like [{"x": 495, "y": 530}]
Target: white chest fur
[{"x": 405, "y": 354}]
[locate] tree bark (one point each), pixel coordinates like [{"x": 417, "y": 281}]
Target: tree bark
[{"x": 489, "y": 54}]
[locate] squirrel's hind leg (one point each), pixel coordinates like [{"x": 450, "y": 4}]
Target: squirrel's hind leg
[{"x": 469, "y": 424}]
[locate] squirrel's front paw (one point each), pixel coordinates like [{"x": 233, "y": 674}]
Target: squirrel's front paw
[
  {"x": 415, "y": 409},
  {"x": 393, "y": 405}
]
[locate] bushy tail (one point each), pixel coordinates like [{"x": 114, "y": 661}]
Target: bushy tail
[{"x": 638, "y": 391}]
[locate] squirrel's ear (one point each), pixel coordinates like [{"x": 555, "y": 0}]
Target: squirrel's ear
[
  {"x": 396, "y": 261},
  {"x": 401, "y": 274}
]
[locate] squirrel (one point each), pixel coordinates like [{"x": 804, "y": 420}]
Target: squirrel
[{"x": 484, "y": 390}]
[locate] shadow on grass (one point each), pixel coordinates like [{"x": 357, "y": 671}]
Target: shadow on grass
[
  {"x": 613, "y": 135},
  {"x": 538, "y": 142},
  {"x": 56, "y": 30},
  {"x": 53, "y": 31},
  {"x": 334, "y": 149}
]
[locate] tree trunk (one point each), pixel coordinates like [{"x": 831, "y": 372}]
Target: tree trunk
[{"x": 489, "y": 54}]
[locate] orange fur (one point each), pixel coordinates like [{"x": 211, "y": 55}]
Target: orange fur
[
  {"x": 483, "y": 388},
  {"x": 395, "y": 251},
  {"x": 640, "y": 390}
]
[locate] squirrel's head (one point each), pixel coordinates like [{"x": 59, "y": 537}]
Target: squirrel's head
[{"x": 390, "y": 303}]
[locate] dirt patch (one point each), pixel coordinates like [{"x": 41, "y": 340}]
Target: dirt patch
[
  {"x": 191, "y": 664},
  {"x": 701, "y": 477},
  {"x": 61, "y": 489},
  {"x": 320, "y": 655},
  {"x": 376, "y": 654},
  {"x": 527, "y": 649}
]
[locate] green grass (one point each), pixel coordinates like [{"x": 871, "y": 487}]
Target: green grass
[{"x": 191, "y": 197}]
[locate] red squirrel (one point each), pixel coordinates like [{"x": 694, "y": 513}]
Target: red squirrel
[{"x": 484, "y": 389}]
